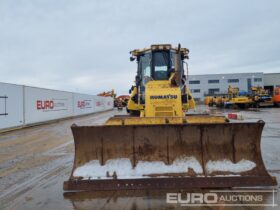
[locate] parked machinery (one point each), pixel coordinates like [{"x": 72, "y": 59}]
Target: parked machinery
[
  {"x": 235, "y": 100},
  {"x": 217, "y": 100},
  {"x": 276, "y": 96},
  {"x": 257, "y": 97},
  {"x": 121, "y": 101},
  {"x": 260, "y": 97},
  {"x": 108, "y": 94},
  {"x": 231, "y": 100}
]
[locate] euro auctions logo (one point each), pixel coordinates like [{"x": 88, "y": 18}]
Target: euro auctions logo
[
  {"x": 84, "y": 104},
  {"x": 98, "y": 103},
  {"x": 47, "y": 104},
  {"x": 223, "y": 198},
  {"x": 81, "y": 104},
  {"x": 192, "y": 198},
  {"x": 51, "y": 105}
]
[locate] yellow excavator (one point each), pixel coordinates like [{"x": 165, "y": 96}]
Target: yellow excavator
[
  {"x": 235, "y": 100},
  {"x": 159, "y": 146},
  {"x": 261, "y": 97}
]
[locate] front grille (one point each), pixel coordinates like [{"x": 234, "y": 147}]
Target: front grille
[
  {"x": 164, "y": 114},
  {"x": 164, "y": 109}
]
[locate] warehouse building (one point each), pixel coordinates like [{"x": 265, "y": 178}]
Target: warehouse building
[
  {"x": 271, "y": 81},
  {"x": 211, "y": 84}
]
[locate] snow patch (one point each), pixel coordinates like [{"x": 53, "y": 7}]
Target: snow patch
[
  {"x": 228, "y": 166},
  {"x": 124, "y": 169},
  {"x": 178, "y": 166}
]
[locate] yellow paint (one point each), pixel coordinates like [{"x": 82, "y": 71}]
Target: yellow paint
[
  {"x": 170, "y": 106},
  {"x": 162, "y": 100},
  {"x": 131, "y": 105},
  {"x": 191, "y": 102},
  {"x": 241, "y": 100},
  {"x": 166, "y": 120}
]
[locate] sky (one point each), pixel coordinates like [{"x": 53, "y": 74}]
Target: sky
[{"x": 83, "y": 45}]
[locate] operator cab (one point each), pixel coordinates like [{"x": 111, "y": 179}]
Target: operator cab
[{"x": 156, "y": 63}]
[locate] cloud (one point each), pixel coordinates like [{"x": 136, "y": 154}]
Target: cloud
[{"x": 84, "y": 45}]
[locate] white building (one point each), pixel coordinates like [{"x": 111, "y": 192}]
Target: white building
[{"x": 209, "y": 84}]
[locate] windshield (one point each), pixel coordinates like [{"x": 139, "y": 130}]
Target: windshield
[
  {"x": 161, "y": 65},
  {"x": 155, "y": 65}
]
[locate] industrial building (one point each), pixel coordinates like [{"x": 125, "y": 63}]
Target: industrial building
[
  {"x": 271, "y": 81},
  {"x": 211, "y": 84}
]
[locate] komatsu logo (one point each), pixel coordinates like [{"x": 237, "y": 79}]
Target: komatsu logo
[{"x": 164, "y": 97}]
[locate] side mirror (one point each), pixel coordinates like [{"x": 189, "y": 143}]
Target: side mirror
[
  {"x": 129, "y": 91},
  {"x": 132, "y": 58}
]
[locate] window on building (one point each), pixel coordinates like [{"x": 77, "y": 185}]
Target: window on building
[
  {"x": 213, "y": 90},
  {"x": 233, "y": 80},
  {"x": 194, "y": 82},
  {"x": 197, "y": 99},
  {"x": 195, "y": 90},
  {"x": 257, "y": 79},
  {"x": 213, "y": 81}
]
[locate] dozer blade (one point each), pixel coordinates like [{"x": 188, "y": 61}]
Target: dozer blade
[{"x": 177, "y": 156}]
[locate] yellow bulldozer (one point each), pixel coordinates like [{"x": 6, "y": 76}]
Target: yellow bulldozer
[{"x": 159, "y": 146}]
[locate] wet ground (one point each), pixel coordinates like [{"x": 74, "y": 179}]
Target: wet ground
[{"x": 35, "y": 161}]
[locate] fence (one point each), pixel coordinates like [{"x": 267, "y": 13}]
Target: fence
[{"x": 22, "y": 105}]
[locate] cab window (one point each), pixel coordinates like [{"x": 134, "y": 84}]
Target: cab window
[
  {"x": 161, "y": 65},
  {"x": 145, "y": 65}
]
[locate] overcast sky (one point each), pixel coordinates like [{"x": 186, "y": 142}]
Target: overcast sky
[{"x": 84, "y": 45}]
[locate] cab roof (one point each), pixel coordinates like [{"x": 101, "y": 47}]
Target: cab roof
[{"x": 137, "y": 52}]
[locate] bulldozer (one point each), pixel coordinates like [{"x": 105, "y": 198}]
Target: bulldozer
[{"x": 159, "y": 145}]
